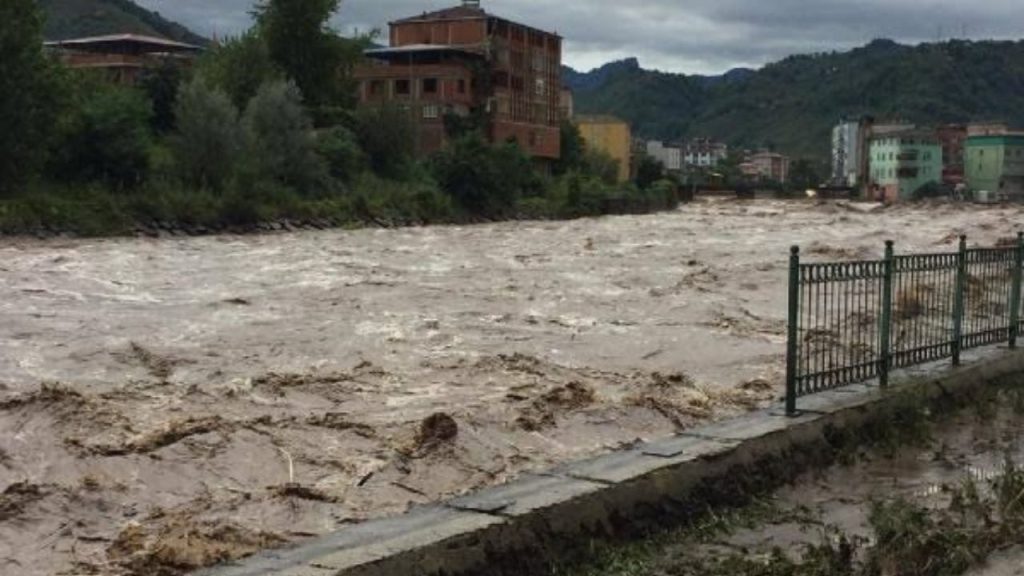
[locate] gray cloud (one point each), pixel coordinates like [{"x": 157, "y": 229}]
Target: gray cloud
[{"x": 696, "y": 36}]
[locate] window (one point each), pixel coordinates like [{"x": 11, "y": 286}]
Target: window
[
  {"x": 377, "y": 88},
  {"x": 402, "y": 87},
  {"x": 462, "y": 86},
  {"x": 431, "y": 112},
  {"x": 430, "y": 85},
  {"x": 540, "y": 86}
]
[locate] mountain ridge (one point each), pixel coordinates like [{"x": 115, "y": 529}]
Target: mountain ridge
[
  {"x": 791, "y": 105},
  {"x": 78, "y": 18}
]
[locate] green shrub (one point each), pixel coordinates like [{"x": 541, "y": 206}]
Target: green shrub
[
  {"x": 206, "y": 142},
  {"x": 279, "y": 141}
]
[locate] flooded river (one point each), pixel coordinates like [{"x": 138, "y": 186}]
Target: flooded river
[{"x": 172, "y": 402}]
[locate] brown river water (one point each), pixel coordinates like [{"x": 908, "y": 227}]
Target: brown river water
[{"x": 168, "y": 403}]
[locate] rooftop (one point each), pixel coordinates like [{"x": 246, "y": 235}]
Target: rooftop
[
  {"x": 467, "y": 11},
  {"x": 138, "y": 39}
]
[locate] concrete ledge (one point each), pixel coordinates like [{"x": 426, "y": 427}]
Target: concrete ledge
[{"x": 518, "y": 528}]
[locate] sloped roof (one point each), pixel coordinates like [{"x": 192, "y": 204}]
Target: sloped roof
[{"x": 153, "y": 41}]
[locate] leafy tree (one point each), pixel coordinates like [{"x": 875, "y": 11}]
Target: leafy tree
[
  {"x": 107, "y": 137},
  {"x": 279, "y": 142},
  {"x": 161, "y": 84},
  {"x": 803, "y": 175},
  {"x": 386, "y": 134},
  {"x": 207, "y": 139},
  {"x": 301, "y": 42},
  {"x": 339, "y": 147},
  {"x": 30, "y": 93},
  {"x": 239, "y": 67},
  {"x": 648, "y": 171},
  {"x": 483, "y": 179},
  {"x": 573, "y": 148},
  {"x": 601, "y": 165}
]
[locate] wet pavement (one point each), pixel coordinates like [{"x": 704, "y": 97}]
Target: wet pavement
[{"x": 174, "y": 402}]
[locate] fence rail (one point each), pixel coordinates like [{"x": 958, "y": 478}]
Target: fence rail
[{"x": 852, "y": 322}]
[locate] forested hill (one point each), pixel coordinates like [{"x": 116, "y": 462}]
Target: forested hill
[
  {"x": 792, "y": 105},
  {"x": 77, "y": 18}
]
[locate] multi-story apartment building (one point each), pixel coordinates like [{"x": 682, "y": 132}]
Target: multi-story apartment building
[
  {"x": 766, "y": 166},
  {"x": 847, "y": 149},
  {"x": 463, "y": 60},
  {"x": 611, "y": 136},
  {"x": 703, "y": 153},
  {"x": 121, "y": 58},
  {"x": 902, "y": 162},
  {"x": 952, "y": 138},
  {"x": 668, "y": 154},
  {"x": 995, "y": 163}
]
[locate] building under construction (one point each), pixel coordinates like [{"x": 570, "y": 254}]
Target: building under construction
[{"x": 464, "y": 62}]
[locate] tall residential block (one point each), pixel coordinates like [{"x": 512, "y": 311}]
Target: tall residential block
[
  {"x": 994, "y": 163},
  {"x": 466, "y": 62},
  {"x": 902, "y": 162}
]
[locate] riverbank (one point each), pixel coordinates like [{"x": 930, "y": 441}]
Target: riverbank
[
  {"x": 944, "y": 500},
  {"x": 93, "y": 211}
]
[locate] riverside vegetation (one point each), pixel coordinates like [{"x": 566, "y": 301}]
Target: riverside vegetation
[{"x": 263, "y": 128}]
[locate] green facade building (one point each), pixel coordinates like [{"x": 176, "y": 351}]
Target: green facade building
[
  {"x": 995, "y": 164},
  {"x": 902, "y": 163}
]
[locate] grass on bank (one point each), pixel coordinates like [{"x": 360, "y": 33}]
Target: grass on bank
[{"x": 95, "y": 210}]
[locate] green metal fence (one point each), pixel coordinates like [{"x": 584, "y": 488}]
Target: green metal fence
[{"x": 853, "y": 322}]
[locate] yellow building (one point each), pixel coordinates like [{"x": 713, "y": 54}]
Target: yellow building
[{"x": 611, "y": 136}]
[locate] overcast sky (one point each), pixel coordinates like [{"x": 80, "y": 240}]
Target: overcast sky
[{"x": 691, "y": 36}]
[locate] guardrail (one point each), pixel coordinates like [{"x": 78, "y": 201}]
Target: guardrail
[{"x": 853, "y": 322}]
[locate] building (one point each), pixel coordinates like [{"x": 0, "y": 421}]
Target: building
[
  {"x": 847, "y": 148},
  {"x": 669, "y": 155},
  {"x": 122, "y": 58},
  {"x": 703, "y": 153},
  {"x": 465, "y": 61},
  {"x": 994, "y": 163},
  {"x": 902, "y": 162},
  {"x": 611, "y": 136},
  {"x": 769, "y": 166},
  {"x": 952, "y": 138}
]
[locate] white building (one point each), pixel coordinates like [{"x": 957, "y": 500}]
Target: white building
[
  {"x": 705, "y": 153},
  {"x": 847, "y": 142},
  {"x": 670, "y": 156}
]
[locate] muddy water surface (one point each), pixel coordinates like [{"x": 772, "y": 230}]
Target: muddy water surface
[{"x": 165, "y": 404}]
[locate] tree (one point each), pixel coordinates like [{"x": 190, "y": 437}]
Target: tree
[
  {"x": 573, "y": 148},
  {"x": 161, "y": 84},
  {"x": 339, "y": 147},
  {"x": 207, "y": 139},
  {"x": 239, "y": 67},
  {"x": 308, "y": 51},
  {"x": 648, "y": 171},
  {"x": 279, "y": 141},
  {"x": 386, "y": 134},
  {"x": 485, "y": 180},
  {"x": 107, "y": 137},
  {"x": 601, "y": 165},
  {"x": 803, "y": 175},
  {"x": 30, "y": 93}
]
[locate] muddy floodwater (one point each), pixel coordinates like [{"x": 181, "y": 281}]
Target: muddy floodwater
[{"x": 168, "y": 403}]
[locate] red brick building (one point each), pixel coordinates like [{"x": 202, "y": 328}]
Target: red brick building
[
  {"x": 122, "y": 58},
  {"x": 953, "y": 137},
  {"x": 463, "y": 60}
]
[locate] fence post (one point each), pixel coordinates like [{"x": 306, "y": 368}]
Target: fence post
[
  {"x": 958, "y": 301},
  {"x": 793, "y": 335},
  {"x": 1018, "y": 275},
  {"x": 886, "y": 325}
]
